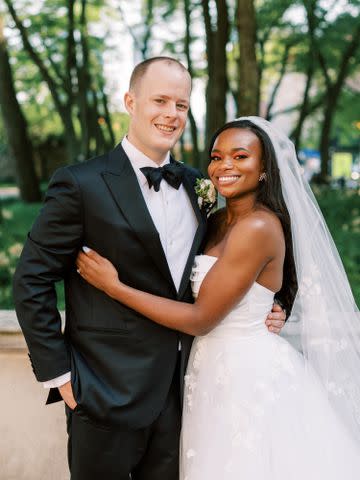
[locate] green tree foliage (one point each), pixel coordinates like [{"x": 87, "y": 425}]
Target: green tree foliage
[
  {"x": 68, "y": 61},
  {"x": 16, "y": 128},
  {"x": 335, "y": 64},
  {"x": 68, "y": 38}
]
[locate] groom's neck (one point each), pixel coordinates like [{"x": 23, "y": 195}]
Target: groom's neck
[{"x": 154, "y": 155}]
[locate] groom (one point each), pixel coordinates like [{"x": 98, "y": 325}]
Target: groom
[{"x": 119, "y": 374}]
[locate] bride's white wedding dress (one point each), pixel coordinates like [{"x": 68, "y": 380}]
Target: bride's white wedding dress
[{"x": 250, "y": 411}]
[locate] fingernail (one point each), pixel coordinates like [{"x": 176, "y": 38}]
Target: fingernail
[{"x": 86, "y": 249}]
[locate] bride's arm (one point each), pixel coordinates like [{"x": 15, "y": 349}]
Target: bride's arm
[{"x": 224, "y": 286}]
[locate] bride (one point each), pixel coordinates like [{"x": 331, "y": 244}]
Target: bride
[{"x": 256, "y": 408}]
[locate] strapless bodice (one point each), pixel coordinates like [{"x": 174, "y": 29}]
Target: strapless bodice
[{"x": 248, "y": 317}]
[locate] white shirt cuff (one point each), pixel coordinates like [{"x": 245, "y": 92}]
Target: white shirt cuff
[{"x": 58, "y": 381}]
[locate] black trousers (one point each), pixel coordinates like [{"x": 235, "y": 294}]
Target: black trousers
[{"x": 96, "y": 452}]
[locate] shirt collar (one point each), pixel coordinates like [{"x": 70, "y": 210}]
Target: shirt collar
[{"x": 139, "y": 160}]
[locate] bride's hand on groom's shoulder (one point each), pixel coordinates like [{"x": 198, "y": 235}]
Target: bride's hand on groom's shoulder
[
  {"x": 97, "y": 270},
  {"x": 276, "y": 319}
]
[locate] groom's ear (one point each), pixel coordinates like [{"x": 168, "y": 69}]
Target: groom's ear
[{"x": 129, "y": 102}]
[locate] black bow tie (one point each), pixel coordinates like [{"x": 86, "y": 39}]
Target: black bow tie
[{"x": 172, "y": 173}]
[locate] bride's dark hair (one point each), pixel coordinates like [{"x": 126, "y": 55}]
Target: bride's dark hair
[{"x": 270, "y": 195}]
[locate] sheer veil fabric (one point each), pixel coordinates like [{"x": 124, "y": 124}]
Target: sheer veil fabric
[{"x": 324, "y": 306}]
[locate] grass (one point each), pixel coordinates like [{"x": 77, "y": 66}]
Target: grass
[{"x": 341, "y": 210}]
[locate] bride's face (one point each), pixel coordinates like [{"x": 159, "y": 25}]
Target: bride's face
[{"x": 236, "y": 162}]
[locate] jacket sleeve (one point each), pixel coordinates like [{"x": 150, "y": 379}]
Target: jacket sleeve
[{"x": 49, "y": 252}]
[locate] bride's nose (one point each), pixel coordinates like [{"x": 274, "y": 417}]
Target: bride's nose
[{"x": 227, "y": 162}]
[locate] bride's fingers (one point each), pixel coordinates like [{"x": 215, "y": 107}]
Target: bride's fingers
[
  {"x": 86, "y": 260},
  {"x": 83, "y": 266},
  {"x": 92, "y": 254}
]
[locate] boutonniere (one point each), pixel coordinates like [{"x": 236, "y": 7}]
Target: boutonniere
[{"x": 206, "y": 193}]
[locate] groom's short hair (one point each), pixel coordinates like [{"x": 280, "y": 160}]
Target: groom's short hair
[{"x": 141, "y": 68}]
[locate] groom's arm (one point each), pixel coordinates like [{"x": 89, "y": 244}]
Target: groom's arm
[{"x": 49, "y": 251}]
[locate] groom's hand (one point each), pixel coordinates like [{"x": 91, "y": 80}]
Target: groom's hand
[
  {"x": 276, "y": 319},
  {"x": 67, "y": 395}
]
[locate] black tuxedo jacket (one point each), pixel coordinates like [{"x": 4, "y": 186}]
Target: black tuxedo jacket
[{"x": 121, "y": 363}]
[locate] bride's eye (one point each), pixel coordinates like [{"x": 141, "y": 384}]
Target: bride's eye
[
  {"x": 215, "y": 158},
  {"x": 240, "y": 157}
]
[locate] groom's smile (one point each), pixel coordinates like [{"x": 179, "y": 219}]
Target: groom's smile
[{"x": 165, "y": 128}]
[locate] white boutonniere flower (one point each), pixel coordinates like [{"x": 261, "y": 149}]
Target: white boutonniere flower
[{"x": 206, "y": 193}]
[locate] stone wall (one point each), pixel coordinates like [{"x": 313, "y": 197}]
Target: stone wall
[{"x": 33, "y": 437}]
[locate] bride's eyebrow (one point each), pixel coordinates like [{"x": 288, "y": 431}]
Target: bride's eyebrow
[{"x": 236, "y": 149}]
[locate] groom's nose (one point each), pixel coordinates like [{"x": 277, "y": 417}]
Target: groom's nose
[{"x": 171, "y": 109}]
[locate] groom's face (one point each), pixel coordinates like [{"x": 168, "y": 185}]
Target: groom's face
[{"x": 158, "y": 106}]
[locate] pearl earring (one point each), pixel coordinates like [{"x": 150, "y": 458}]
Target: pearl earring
[{"x": 262, "y": 177}]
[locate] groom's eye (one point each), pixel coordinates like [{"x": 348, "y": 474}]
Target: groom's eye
[
  {"x": 182, "y": 106},
  {"x": 159, "y": 100}
]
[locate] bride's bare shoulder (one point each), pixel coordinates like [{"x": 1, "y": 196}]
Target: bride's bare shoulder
[{"x": 261, "y": 229}]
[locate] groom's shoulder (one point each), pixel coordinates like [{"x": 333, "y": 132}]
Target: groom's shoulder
[
  {"x": 192, "y": 172},
  {"x": 91, "y": 166},
  {"x": 83, "y": 171}
]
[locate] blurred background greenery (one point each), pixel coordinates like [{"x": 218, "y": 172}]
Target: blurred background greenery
[{"x": 65, "y": 65}]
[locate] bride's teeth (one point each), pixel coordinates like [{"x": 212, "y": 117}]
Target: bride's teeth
[{"x": 228, "y": 179}]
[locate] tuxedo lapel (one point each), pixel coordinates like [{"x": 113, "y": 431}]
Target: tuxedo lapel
[
  {"x": 123, "y": 185},
  {"x": 199, "y": 235},
  {"x": 190, "y": 190}
]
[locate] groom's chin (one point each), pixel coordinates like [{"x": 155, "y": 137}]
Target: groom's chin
[{"x": 166, "y": 144}]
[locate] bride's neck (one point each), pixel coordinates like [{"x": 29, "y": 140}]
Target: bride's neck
[{"x": 238, "y": 208}]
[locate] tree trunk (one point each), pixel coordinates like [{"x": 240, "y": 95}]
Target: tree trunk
[
  {"x": 217, "y": 85},
  {"x": 304, "y": 109},
  {"x": 149, "y": 20},
  {"x": 284, "y": 61},
  {"x": 248, "y": 70},
  {"x": 333, "y": 87},
  {"x": 107, "y": 115},
  {"x": 64, "y": 109},
  {"x": 16, "y": 129},
  {"x": 329, "y": 110},
  {"x": 332, "y": 98},
  {"x": 193, "y": 127}
]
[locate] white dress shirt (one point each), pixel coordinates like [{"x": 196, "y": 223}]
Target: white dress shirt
[{"x": 173, "y": 217}]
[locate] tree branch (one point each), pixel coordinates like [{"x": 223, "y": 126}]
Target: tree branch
[
  {"x": 349, "y": 52},
  {"x": 53, "y": 86},
  {"x": 310, "y": 6},
  {"x": 284, "y": 61},
  {"x": 130, "y": 30},
  {"x": 70, "y": 51}
]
